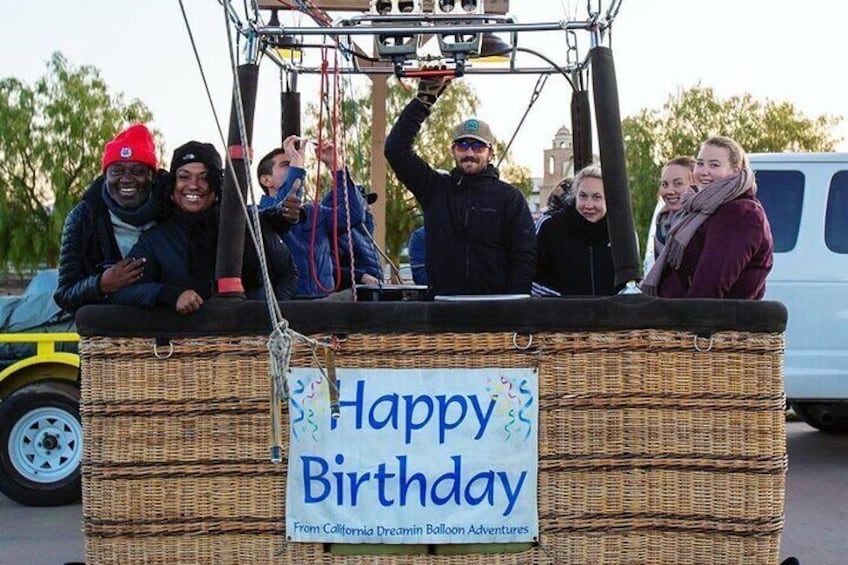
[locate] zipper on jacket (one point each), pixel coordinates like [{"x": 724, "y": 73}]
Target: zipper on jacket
[
  {"x": 592, "y": 268},
  {"x": 467, "y": 251}
]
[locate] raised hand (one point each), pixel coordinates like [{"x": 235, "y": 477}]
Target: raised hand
[
  {"x": 293, "y": 153},
  {"x": 327, "y": 153},
  {"x": 431, "y": 87}
]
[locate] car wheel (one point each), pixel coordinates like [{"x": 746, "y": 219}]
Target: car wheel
[
  {"x": 829, "y": 417},
  {"x": 41, "y": 444}
]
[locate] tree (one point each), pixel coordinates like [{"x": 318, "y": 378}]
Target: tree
[
  {"x": 51, "y": 144},
  {"x": 402, "y": 211},
  {"x": 693, "y": 115}
]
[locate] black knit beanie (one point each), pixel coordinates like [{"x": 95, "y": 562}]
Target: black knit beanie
[{"x": 198, "y": 152}]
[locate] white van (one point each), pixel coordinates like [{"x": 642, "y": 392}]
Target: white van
[{"x": 805, "y": 196}]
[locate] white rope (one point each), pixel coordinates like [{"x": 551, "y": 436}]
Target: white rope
[
  {"x": 281, "y": 347},
  {"x": 229, "y": 16},
  {"x": 282, "y": 337}
]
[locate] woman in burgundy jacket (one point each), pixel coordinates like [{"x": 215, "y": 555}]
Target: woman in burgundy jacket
[{"x": 721, "y": 245}]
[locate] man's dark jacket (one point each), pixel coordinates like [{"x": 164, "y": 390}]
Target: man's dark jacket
[
  {"x": 89, "y": 247},
  {"x": 480, "y": 235}
]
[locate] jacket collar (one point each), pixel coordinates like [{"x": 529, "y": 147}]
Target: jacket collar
[{"x": 460, "y": 178}]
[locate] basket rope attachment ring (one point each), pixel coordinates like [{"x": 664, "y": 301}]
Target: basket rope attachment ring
[
  {"x": 703, "y": 349},
  {"x": 526, "y": 346},
  {"x": 160, "y": 342}
]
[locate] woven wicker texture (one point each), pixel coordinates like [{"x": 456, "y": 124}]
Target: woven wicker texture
[{"x": 654, "y": 446}]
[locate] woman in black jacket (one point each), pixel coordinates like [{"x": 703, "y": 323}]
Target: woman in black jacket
[
  {"x": 180, "y": 252},
  {"x": 573, "y": 255}
]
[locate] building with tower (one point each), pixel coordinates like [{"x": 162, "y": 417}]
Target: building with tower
[{"x": 559, "y": 163}]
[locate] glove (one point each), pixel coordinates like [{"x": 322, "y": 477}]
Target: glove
[{"x": 430, "y": 88}]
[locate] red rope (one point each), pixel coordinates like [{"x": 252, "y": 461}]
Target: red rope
[
  {"x": 288, "y": 5},
  {"x": 338, "y": 146},
  {"x": 307, "y": 7},
  {"x": 338, "y": 124},
  {"x": 316, "y": 202}
]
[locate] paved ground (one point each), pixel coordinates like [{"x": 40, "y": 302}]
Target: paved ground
[
  {"x": 40, "y": 536},
  {"x": 816, "y": 511},
  {"x": 816, "y": 497}
]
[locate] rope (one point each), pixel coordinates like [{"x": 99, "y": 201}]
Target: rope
[
  {"x": 281, "y": 345},
  {"x": 357, "y": 156},
  {"x": 319, "y": 16},
  {"x": 316, "y": 201},
  {"x": 337, "y": 132},
  {"x": 278, "y": 370},
  {"x": 385, "y": 256},
  {"x": 338, "y": 125},
  {"x": 202, "y": 72},
  {"x": 282, "y": 337},
  {"x": 358, "y": 161},
  {"x": 253, "y": 226},
  {"x": 332, "y": 113},
  {"x": 326, "y": 92},
  {"x": 537, "y": 90},
  {"x": 320, "y": 140},
  {"x": 230, "y": 16}
]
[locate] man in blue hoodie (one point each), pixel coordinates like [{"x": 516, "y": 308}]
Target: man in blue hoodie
[
  {"x": 365, "y": 259},
  {"x": 309, "y": 230}
]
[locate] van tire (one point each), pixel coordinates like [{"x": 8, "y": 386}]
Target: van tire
[
  {"x": 41, "y": 444},
  {"x": 831, "y": 417}
]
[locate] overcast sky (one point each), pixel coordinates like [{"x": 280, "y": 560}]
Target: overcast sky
[{"x": 778, "y": 49}]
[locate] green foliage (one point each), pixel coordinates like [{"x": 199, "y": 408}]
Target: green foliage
[
  {"x": 51, "y": 144},
  {"x": 691, "y": 116},
  {"x": 433, "y": 144},
  {"x": 644, "y": 160}
]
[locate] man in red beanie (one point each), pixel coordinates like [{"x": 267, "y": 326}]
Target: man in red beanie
[{"x": 115, "y": 209}]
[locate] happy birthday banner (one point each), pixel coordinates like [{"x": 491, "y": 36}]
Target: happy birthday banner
[{"x": 416, "y": 456}]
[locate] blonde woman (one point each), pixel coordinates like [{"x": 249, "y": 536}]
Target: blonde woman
[
  {"x": 677, "y": 181},
  {"x": 573, "y": 247},
  {"x": 721, "y": 245}
]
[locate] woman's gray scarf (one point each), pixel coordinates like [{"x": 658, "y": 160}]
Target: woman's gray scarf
[{"x": 697, "y": 209}]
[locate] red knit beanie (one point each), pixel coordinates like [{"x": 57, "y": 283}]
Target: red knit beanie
[{"x": 133, "y": 144}]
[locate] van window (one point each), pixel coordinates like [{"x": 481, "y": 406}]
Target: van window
[
  {"x": 782, "y": 195},
  {"x": 836, "y": 219}
]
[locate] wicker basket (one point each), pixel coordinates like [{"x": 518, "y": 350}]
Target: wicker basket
[{"x": 654, "y": 446}]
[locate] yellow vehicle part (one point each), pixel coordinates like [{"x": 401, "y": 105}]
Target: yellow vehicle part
[{"x": 47, "y": 363}]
